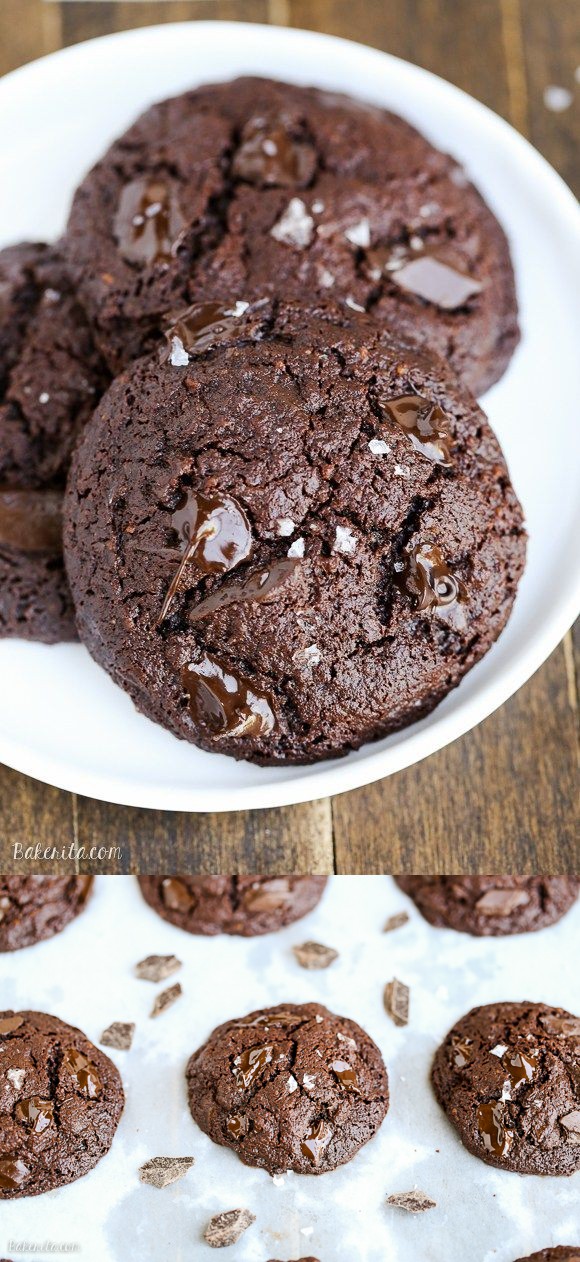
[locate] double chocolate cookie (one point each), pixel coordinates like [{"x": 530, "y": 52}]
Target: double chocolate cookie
[
  {"x": 244, "y": 905},
  {"x": 256, "y": 188},
  {"x": 50, "y": 379},
  {"x": 508, "y": 1078},
  {"x": 289, "y": 1088},
  {"x": 288, "y": 535},
  {"x": 33, "y": 908},
  {"x": 60, "y": 1104},
  {"x": 561, "y": 1253},
  {"x": 491, "y": 906}
]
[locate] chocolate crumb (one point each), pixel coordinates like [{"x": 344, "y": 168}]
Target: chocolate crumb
[
  {"x": 118, "y": 1035},
  {"x": 155, "y": 968},
  {"x": 165, "y": 999},
  {"x": 161, "y": 1171},
  {"x": 414, "y": 1202},
  {"x": 396, "y": 1000},
  {"x": 315, "y": 955},
  {"x": 396, "y": 922},
  {"x": 225, "y": 1229}
]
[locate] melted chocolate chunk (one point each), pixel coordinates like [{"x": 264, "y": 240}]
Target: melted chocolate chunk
[
  {"x": 223, "y": 703},
  {"x": 256, "y": 587},
  {"x": 13, "y": 1173},
  {"x": 36, "y": 1113},
  {"x": 346, "y": 1075},
  {"x": 83, "y": 1071},
  {"x": 521, "y": 1067},
  {"x": 31, "y": 520},
  {"x": 148, "y": 222},
  {"x": 269, "y": 156},
  {"x": 249, "y": 1064},
  {"x": 206, "y": 324},
  {"x": 424, "y": 575},
  {"x": 429, "y": 278},
  {"x": 9, "y": 1024},
  {"x": 215, "y": 534},
  {"x": 462, "y": 1055},
  {"x": 317, "y": 1138},
  {"x": 490, "y": 1120},
  {"x": 424, "y": 423},
  {"x": 176, "y": 895},
  {"x": 501, "y": 902},
  {"x": 235, "y": 1126}
]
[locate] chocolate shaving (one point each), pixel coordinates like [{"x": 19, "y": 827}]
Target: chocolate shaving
[
  {"x": 118, "y": 1035},
  {"x": 315, "y": 955},
  {"x": 155, "y": 968},
  {"x": 414, "y": 1202},
  {"x": 225, "y": 1229},
  {"x": 161, "y": 1171},
  {"x": 165, "y": 999},
  {"x": 396, "y": 1001},
  {"x": 396, "y": 922}
]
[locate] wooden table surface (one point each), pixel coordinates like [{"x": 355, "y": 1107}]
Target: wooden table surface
[{"x": 503, "y": 798}]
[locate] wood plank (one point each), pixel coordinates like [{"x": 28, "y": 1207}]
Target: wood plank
[
  {"x": 86, "y": 19},
  {"x": 32, "y": 814},
  {"x": 502, "y": 799},
  {"x": 551, "y": 49},
  {"x": 28, "y": 29},
  {"x": 293, "y": 839}
]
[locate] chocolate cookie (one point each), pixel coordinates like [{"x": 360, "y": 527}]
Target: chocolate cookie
[
  {"x": 36, "y": 907},
  {"x": 293, "y": 536},
  {"x": 562, "y": 1253},
  {"x": 255, "y": 188},
  {"x": 50, "y": 379},
  {"x": 244, "y": 905},
  {"x": 508, "y": 1078},
  {"x": 491, "y": 906},
  {"x": 289, "y": 1088},
  {"x": 60, "y": 1104}
]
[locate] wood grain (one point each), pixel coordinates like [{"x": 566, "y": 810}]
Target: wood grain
[{"x": 504, "y": 797}]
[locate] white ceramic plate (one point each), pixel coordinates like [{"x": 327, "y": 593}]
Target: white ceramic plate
[{"x": 61, "y": 718}]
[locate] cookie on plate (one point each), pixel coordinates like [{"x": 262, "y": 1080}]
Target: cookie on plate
[
  {"x": 244, "y": 905},
  {"x": 508, "y": 1077},
  {"x": 61, "y": 1100},
  {"x": 561, "y": 1253},
  {"x": 50, "y": 379},
  {"x": 288, "y": 535},
  {"x": 289, "y": 1088},
  {"x": 33, "y": 908},
  {"x": 491, "y": 906},
  {"x": 256, "y": 188}
]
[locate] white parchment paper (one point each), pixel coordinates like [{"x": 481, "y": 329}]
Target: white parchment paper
[{"x": 86, "y": 976}]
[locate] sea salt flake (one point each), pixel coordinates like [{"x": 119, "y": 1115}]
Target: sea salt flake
[
  {"x": 416, "y": 243},
  {"x": 506, "y": 1093},
  {"x": 44, "y": 397},
  {"x": 312, "y": 654},
  {"x": 270, "y": 147},
  {"x": 179, "y": 356},
  {"x": 429, "y": 208},
  {"x": 326, "y": 278},
  {"x": 309, "y": 1081},
  {"x": 499, "y": 1050},
  {"x": 401, "y": 471},
  {"x": 557, "y": 99},
  {"x": 354, "y": 306},
  {"x": 285, "y": 526},
  {"x": 378, "y": 447},
  {"x": 295, "y": 227},
  {"x": 16, "y": 1077},
  {"x": 345, "y": 1038},
  {"x": 238, "y": 309},
  {"x": 317, "y": 207},
  {"x": 345, "y": 541},
  {"x": 296, "y": 549},
  {"x": 292, "y": 1084},
  {"x": 360, "y": 234}
]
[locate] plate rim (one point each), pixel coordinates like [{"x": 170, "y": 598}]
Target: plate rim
[{"x": 318, "y": 780}]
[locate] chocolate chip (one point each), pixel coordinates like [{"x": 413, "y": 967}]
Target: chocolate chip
[
  {"x": 155, "y": 968},
  {"x": 225, "y": 1229},
  {"x": 396, "y": 1000},
  {"x": 165, "y": 999},
  {"x": 314, "y": 955},
  {"x": 396, "y": 922},
  {"x": 118, "y": 1035},
  {"x": 414, "y": 1202},
  {"x": 569, "y": 1026},
  {"x": 161, "y": 1171}
]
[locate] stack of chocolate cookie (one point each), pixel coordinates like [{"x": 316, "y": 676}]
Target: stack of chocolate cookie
[{"x": 289, "y": 528}]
